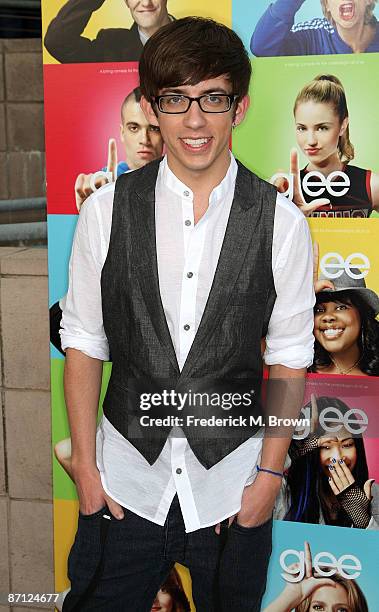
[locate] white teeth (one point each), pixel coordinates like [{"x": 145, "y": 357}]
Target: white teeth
[
  {"x": 198, "y": 142},
  {"x": 347, "y": 9},
  {"x": 332, "y": 333}
]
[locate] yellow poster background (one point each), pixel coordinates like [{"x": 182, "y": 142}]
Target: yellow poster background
[
  {"x": 347, "y": 237},
  {"x": 115, "y": 14}
]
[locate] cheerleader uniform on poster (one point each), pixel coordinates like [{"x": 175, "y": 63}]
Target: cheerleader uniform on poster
[{"x": 356, "y": 203}]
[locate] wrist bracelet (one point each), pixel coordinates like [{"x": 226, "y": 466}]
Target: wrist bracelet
[{"x": 279, "y": 474}]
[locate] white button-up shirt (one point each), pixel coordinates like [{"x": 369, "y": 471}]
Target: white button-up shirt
[{"x": 187, "y": 258}]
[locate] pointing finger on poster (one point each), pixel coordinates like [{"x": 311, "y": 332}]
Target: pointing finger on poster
[{"x": 112, "y": 158}]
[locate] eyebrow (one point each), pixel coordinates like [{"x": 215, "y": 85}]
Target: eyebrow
[
  {"x": 179, "y": 90},
  {"x": 335, "y": 439},
  {"x": 325, "y": 603},
  {"x": 316, "y": 124}
]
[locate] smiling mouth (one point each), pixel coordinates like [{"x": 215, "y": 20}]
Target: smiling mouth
[
  {"x": 347, "y": 11},
  {"x": 330, "y": 334},
  {"x": 196, "y": 143}
]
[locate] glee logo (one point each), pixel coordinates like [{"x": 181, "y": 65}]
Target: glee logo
[
  {"x": 325, "y": 565},
  {"x": 316, "y": 188},
  {"x": 332, "y": 420},
  {"x": 333, "y": 265}
]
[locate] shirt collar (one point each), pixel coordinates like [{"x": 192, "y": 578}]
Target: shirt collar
[{"x": 168, "y": 180}]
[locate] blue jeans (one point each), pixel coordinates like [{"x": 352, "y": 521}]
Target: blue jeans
[{"x": 118, "y": 566}]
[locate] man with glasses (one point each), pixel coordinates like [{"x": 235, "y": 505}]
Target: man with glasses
[{"x": 200, "y": 261}]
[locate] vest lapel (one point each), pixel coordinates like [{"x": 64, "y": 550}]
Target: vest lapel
[
  {"x": 240, "y": 229},
  {"x": 144, "y": 246}
]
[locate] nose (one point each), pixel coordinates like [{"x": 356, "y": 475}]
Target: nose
[
  {"x": 194, "y": 117},
  {"x": 328, "y": 317},
  {"x": 311, "y": 138},
  {"x": 145, "y": 136}
]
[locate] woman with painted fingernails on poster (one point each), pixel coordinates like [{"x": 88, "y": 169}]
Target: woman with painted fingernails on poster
[
  {"x": 322, "y": 133},
  {"x": 327, "y": 477},
  {"x": 348, "y": 26},
  {"x": 315, "y": 592}
]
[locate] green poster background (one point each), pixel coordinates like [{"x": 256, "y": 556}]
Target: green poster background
[{"x": 264, "y": 140}]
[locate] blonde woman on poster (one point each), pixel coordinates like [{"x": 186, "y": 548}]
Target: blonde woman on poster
[
  {"x": 347, "y": 27},
  {"x": 315, "y": 592},
  {"x": 322, "y": 133}
]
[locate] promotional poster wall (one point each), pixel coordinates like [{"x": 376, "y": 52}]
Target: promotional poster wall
[{"x": 288, "y": 133}]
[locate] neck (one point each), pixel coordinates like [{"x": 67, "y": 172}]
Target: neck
[
  {"x": 343, "y": 361},
  {"x": 203, "y": 181},
  {"x": 357, "y": 38},
  {"x": 165, "y": 19},
  {"x": 331, "y": 164}
]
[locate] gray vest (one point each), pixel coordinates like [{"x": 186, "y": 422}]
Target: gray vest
[{"x": 227, "y": 345}]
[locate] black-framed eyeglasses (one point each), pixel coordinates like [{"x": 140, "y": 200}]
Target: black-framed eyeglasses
[{"x": 175, "y": 104}]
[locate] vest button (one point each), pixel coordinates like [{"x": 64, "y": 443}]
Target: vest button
[
  {"x": 186, "y": 193},
  {"x": 178, "y": 470},
  {"x": 189, "y": 274},
  {"x": 187, "y": 222},
  {"x": 187, "y": 327}
]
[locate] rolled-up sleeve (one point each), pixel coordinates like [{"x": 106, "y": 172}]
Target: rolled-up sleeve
[
  {"x": 290, "y": 339},
  {"x": 82, "y": 319}
]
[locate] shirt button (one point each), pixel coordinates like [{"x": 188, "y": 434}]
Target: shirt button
[
  {"x": 178, "y": 470},
  {"x": 187, "y": 327},
  {"x": 189, "y": 274},
  {"x": 186, "y": 193},
  {"x": 187, "y": 222}
]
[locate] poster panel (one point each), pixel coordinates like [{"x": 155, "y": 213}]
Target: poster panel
[
  {"x": 89, "y": 19},
  {"x": 83, "y": 106},
  {"x": 294, "y": 145},
  {"x": 302, "y": 27},
  {"x": 347, "y": 558}
]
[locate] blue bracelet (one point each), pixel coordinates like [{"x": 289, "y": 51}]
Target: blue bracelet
[{"x": 279, "y": 474}]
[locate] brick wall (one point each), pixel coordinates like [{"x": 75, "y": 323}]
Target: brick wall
[
  {"x": 22, "y": 158},
  {"x": 26, "y": 534}
]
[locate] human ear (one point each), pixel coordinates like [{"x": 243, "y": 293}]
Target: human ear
[
  {"x": 149, "y": 111},
  {"x": 122, "y": 131},
  {"x": 344, "y": 125},
  {"x": 241, "y": 110}
]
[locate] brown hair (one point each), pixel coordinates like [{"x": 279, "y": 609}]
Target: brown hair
[
  {"x": 328, "y": 89},
  {"x": 369, "y": 15},
  {"x": 190, "y": 50},
  {"x": 355, "y": 598},
  {"x": 173, "y": 585}
]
